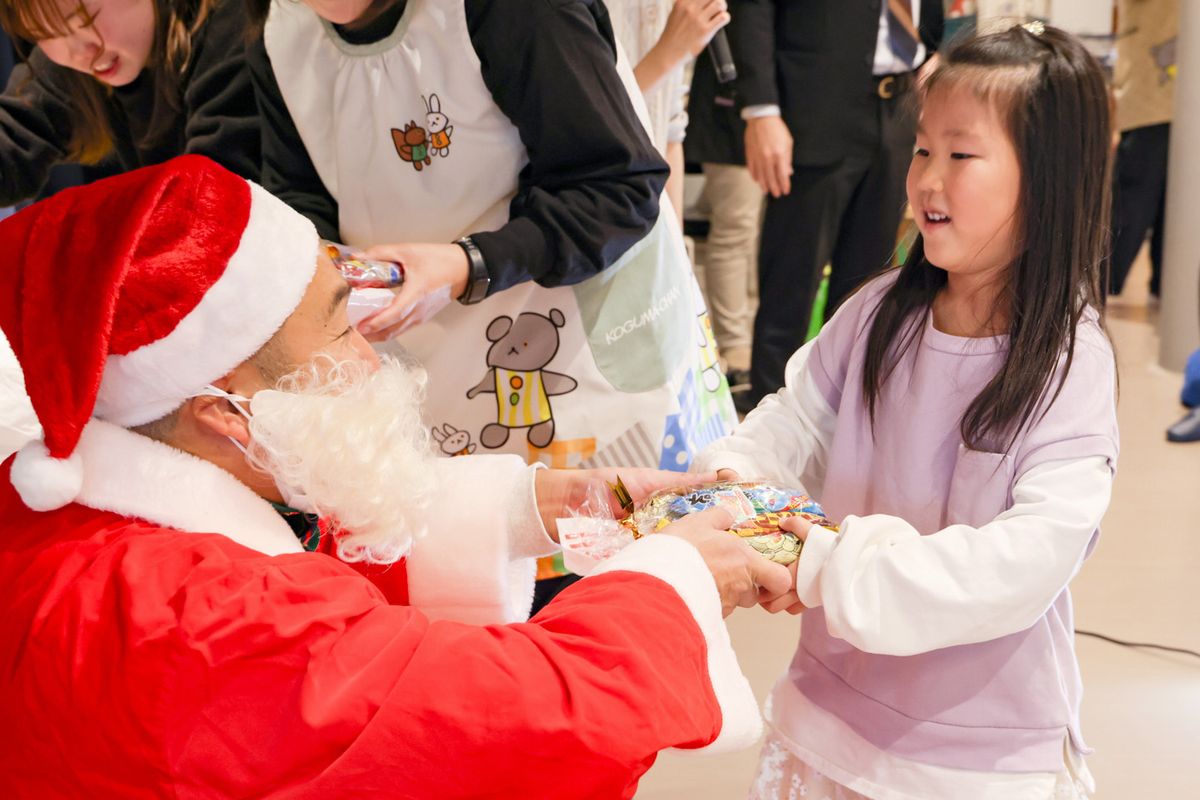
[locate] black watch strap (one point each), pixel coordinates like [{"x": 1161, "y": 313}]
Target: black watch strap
[{"x": 478, "y": 279}]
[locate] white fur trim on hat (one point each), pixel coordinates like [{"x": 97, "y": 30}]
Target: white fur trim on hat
[
  {"x": 260, "y": 288},
  {"x": 45, "y": 483}
]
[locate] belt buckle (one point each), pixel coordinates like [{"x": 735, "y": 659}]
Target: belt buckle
[{"x": 887, "y": 87}]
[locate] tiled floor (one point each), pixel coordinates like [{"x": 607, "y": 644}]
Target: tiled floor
[{"x": 1142, "y": 708}]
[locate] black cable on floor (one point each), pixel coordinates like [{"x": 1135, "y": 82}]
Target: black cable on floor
[{"x": 1150, "y": 645}]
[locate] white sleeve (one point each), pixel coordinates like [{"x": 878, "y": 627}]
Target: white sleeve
[
  {"x": 887, "y": 589},
  {"x": 785, "y": 439},
  {"x": 476, "y": 561},
  {"x": 766, "y": 110}
]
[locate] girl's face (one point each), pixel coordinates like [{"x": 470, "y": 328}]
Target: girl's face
[
  {"x": 108, "y": 39},
  {"x": 964, "y": 184}
]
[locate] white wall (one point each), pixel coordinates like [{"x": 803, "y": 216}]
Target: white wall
[
  {"x": 1076, "y": 16},
  {"x": 1082, "y": 16}
]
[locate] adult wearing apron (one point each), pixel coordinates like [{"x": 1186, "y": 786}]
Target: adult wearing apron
[{"x": 579, "y": 336}]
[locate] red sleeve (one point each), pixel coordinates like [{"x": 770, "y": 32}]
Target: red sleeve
[
  {"x": 296, "y": 679},
  {"x": 391, "y": 579}
]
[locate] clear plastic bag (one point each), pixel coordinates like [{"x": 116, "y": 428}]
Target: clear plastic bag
[
  {"x": 364, "y": 273},
  {"x": 592, "y": 534},
  {"x": 757, "y": 507}
]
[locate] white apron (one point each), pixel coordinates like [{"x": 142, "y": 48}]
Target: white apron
[{"x": 404, "y": 134}]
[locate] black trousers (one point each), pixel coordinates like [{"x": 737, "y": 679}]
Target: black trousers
[
  {"x": 1139, "y": 202},
  {"x": 844, "y": 214}
]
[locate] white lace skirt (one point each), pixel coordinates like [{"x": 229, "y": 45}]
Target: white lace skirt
[{"x": 782, "y": 775}]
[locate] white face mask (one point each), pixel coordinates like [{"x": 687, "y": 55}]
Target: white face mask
[{"x": 291, "y": 497}]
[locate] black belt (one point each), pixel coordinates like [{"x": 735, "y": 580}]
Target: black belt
[{"x": 889, "y": 86}]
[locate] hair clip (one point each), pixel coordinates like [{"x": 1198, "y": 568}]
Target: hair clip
[{"x": 1036, "y": 27}]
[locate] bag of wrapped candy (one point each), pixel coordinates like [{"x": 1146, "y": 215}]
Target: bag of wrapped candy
[
  {"x": 364, "y": 273},
  {"x": 757, "y": 508}
]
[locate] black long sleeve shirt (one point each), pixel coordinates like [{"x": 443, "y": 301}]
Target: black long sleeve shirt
[
  {"x": 218, "y": 116},
  {"x": 591, "y": 187}
]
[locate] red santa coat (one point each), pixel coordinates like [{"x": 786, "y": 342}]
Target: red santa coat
[{"x": 141, "y": 656}]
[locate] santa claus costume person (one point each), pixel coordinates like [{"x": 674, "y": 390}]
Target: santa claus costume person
[{"x": 167, "y": 634}]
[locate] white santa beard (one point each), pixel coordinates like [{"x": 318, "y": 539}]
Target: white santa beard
[{"x": 354, "y": 443}]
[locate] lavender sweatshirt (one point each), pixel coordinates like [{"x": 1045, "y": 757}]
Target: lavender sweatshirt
[{"x": 939, "y": 625}]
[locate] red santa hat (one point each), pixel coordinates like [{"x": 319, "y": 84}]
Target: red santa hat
[{"x": 124, "y": 298}]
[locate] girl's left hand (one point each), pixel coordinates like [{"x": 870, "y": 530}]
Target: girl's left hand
[
  {"x": 790, "y": 602},
  {"x": 434, "y": 276}
]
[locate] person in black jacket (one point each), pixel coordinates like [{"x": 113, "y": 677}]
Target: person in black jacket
[
  {"x": 828, "y": 135},
  {"x": 134, "y": 82},
  {"x": 590, "y": 188},
  {"x": 494, "y": 149}
]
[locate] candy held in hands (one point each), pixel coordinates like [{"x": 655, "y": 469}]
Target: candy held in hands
[
  {"x": 757, "y": 508},
  {"x": 362, "y": 273}
]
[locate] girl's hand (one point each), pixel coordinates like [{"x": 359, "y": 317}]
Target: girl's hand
[
  {"x": 789, "y": 602},
  {"x": 434, "y": 276},
  {"x": 797, "y": 525},
  {"x": 690, "y": 27},
  {"x": 728, "y": 475}
]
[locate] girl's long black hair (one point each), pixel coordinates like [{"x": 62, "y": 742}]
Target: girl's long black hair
[{"x": 1052, "y": 95}]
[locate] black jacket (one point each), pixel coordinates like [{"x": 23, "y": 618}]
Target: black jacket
[
  {"x": 218, "y": 117},
  {"x": 812, "y": 58}
]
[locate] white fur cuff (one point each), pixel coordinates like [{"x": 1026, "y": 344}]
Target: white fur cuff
[
  {"x": 673, "y": 560},
  {"x": 464, "y": 567},
  {"x": 818, "y": 547}
]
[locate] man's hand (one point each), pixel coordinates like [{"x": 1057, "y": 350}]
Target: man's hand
[
  {"x": 562, "y": 493},
  {"x": 769, "y": 154},
  {"x": 744, "y": 578},
  {"x": 434, "y": 276}
]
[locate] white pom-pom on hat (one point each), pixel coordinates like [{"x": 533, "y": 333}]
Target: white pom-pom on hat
[{"x": 44, "y": 482}]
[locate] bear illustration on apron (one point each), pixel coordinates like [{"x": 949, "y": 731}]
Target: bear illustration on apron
[{"x": 408, "y": 140}]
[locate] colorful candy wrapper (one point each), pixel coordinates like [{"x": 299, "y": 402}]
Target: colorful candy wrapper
[
  {"x": 363, "y": 273},
  {"x": 757, "y": 508}
]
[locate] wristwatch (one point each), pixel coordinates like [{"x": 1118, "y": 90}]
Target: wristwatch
[{"x": 478, "y": 279}]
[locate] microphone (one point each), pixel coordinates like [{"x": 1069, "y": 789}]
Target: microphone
[{"x": 722, "y": 57}]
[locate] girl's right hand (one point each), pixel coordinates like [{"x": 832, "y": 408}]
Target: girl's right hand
[
  {"x": 728, "y": 475},
  {"x": 690, "y": 26}
]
